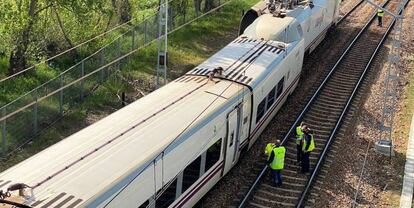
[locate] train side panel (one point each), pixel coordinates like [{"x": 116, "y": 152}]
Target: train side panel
[
  {"x": 193, "y": 166},
  {"x": 134, "y": 194},
  {"x": 285, "y": 74},
  {"x": 197, "y": 165},
  {"x": 229, "y": 151}
]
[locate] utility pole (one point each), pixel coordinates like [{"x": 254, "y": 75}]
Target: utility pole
[
  {"x": 385, "y": 144},
  {"x": 162, "y": 44}
]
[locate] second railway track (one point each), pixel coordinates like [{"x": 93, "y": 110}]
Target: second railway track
[{"x": 324, "y": 113}]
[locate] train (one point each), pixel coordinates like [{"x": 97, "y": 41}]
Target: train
[{"x": 169, "y": 148}]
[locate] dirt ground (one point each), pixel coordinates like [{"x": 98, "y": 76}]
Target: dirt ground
[{"x": 379, "y": 182}]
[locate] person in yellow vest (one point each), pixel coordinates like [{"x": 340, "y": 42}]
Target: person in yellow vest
[
  {"x": 380, "y": 14},
  {"x": 308, "y": 144},
  {"x": 299, "y": 136},
  {"x": 276, "y": 162}
]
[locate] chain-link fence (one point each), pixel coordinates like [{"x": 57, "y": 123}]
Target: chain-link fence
[
  {"x": 43, "y": 70},
  {"x": 23, "y": 118}
]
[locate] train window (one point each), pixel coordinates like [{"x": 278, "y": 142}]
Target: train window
[
  {"x": 261, "y": 110},
  {"x": 167, "y": 197},
  {"x": 144, "y": 205},
  {"x": 300, "y": 31},
  {"x": 280, "y": 87},
  {"x": 293, "y": 34},
  {"x": 271, "y": 97},
  {"x": 231, "y": 139},
  {"x": 245, "y": 119},
  {"x": 191, "y": 174},
  {"x": 213, "y": 154}
]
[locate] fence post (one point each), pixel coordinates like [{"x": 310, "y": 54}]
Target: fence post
[
  {"x": 132, "y": 44},
  {"x": 61, "y": 96},
  {"x": 118, "y": 48},
  {"x": 3, "y": 132},
  {"x": 133, "y": 38},
  {"x": 81, "y": 82},
  {"x": 102, "y": 63},
  {"x": 145, "y": 31},
  {"x": 4, "y": 90},
  {"x": 170, "y": 19},
  {"x": 35, "y": 120}
]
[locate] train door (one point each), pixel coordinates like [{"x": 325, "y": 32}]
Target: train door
[{"x": 232, "y": 138}]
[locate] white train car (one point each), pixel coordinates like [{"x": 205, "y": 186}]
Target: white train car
[
  {"x": 170, "y": 147},
  {"x": 316, "y": 18}
]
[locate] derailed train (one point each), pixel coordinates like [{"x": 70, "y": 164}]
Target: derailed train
[{"x": 170, "y": 147}]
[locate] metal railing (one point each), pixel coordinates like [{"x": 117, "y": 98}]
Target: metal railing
[
  {"x": 25, "y": 117},
  {"x": 305, "y": 110}
]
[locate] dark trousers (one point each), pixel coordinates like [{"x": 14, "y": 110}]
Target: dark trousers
[
  {"x": 305, "y": 162},
  {"x": 298, "y": 152},
  {"x": 379, "y": 21},
  {"x": 276, "y": 177}
]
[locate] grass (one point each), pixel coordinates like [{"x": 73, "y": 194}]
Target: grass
[
  {"x": 102, "y": 102},
  {"x": 4, "y": 65},
  {"x": 188, "y": 47},
  {"x": 407, "y": 108}
]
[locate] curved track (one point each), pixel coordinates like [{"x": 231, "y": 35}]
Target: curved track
[{"x": 324, "y": 113}]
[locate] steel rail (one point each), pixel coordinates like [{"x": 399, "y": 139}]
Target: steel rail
[
  {"x": 343, "y": 114},
  {"x": 352, "y": 10},
  {"x": 308, "y": 105}
]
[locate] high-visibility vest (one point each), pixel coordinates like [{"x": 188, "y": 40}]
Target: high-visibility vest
[
  {"x": 311, "y": 145},
  {"x": 299, "y": 134},
  {"x": 269, "y": 148},
  {"x": 380, "y": 13},
  {"x": 278, "y": 162}
]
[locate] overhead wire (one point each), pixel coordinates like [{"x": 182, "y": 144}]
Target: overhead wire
[{"x": 355, "y": 203}]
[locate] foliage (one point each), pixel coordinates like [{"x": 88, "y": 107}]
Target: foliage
[
  {"x": 31, "y": 30},
  {"x": 188, "y": 47}
]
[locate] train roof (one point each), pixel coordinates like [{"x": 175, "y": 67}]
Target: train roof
[
  {"x": 86, "y": 163},
  {"x": 245, "y": 60},
  {"x": 264, "y": 27},
  {"x": 95, "y": 157}
]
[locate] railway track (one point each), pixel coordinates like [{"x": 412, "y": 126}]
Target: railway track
[
  {"x": 324, "y": 113},
  {"x": 317, "y": 66},
  {"x": 356, "y": 6}
]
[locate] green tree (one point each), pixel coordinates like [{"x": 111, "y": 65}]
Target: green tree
[
  {"x": 123, "y": 10},
  {"x": 29, "y": 28},
  {"x": 26, "y": 13}
]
